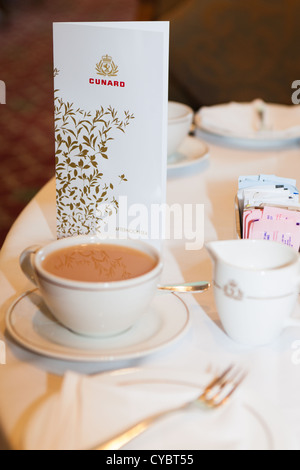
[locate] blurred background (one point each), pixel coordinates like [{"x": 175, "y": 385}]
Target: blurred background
[{"x": 220, "y": 51}]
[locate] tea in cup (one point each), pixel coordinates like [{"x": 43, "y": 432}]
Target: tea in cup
[
  {"x": 256, "y": 287},
  {"x": 93, "y": 287}
]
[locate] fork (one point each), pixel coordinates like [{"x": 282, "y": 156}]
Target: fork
[
  {"x": 261, "y": 111},
  {"x": 215, "y": 395}
]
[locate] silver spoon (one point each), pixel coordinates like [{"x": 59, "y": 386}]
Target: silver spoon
[{"x": 192, "y": 287}]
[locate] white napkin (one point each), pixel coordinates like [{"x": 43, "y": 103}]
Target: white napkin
[
  {"x": 89, "y": 410},
  {"x": 243, "y": 120}
]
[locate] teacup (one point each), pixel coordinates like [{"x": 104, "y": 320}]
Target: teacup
[
  {"x": 180, "y": 118},
  {"x": 256, "y": 287},
  {"x": 93, "y": 308}
]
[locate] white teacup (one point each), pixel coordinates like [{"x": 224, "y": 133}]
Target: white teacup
[
  {"x": 256, "y": 287},
  {"x": 93, "y": 308},
  {"x": 180, "y": 118}
]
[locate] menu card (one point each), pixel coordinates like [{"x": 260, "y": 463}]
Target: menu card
[{"x": 111, "y": 109}]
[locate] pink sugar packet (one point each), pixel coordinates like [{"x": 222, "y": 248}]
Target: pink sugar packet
[
  {"x": 249, "y": 217},
  {"x": 279, "y": 213},
  {"x": 282, "y": 231}
]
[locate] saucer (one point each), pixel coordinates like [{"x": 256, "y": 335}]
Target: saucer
[
  {"x": 192, "y": 151},
  {"x": 220, "y": 133},
  {"x": 31, "y": 325}
]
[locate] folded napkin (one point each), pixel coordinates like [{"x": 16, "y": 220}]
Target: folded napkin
[
  {"x": 251, "y": 120},
  {"x": 91, "y": 409}
]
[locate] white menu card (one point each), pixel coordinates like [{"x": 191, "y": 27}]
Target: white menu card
[{"x": 111, "y": 108}]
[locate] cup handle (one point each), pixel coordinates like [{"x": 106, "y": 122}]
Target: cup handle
[{"x": 26, "y": 263}]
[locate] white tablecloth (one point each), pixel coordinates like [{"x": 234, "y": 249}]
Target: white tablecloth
[{"x": 273, "y": 372}]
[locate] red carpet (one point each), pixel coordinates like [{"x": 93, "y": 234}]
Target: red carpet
[{"x": 26, "y": 67}]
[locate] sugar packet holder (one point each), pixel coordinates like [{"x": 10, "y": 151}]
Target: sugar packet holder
[
  {"x": 238, "y": 218},
  {"x": 262, "y": 190}
]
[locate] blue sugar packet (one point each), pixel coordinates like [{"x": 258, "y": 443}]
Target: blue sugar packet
[{"x": 276, "y": 182}]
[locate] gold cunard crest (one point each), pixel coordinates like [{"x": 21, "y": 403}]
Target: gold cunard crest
[{"x": 106, "y": 67}]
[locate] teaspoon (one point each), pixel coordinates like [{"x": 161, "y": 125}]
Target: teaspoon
[{"x": 192, "y": 287}]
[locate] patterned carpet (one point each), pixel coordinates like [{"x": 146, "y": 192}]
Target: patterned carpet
[{"x": 26, "y": 67}]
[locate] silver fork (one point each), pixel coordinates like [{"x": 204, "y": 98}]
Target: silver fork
[
  {"x": 215, "y": 395},
  {"x": 261, "y": 111}
]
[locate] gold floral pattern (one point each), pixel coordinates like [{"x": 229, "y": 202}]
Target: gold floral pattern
[{"x": 82, "y": 143}]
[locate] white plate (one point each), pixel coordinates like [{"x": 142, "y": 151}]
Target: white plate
[
  {"x": 31, "y": 325},
  {"x": 191, "y": 151},
  {"x": 260, "y": 425},
  {"x": 259, "y": 140},
  {"x": 105, "y": 404}
]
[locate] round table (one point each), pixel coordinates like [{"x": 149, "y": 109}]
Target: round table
[{"x": 273, "y": 370}]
